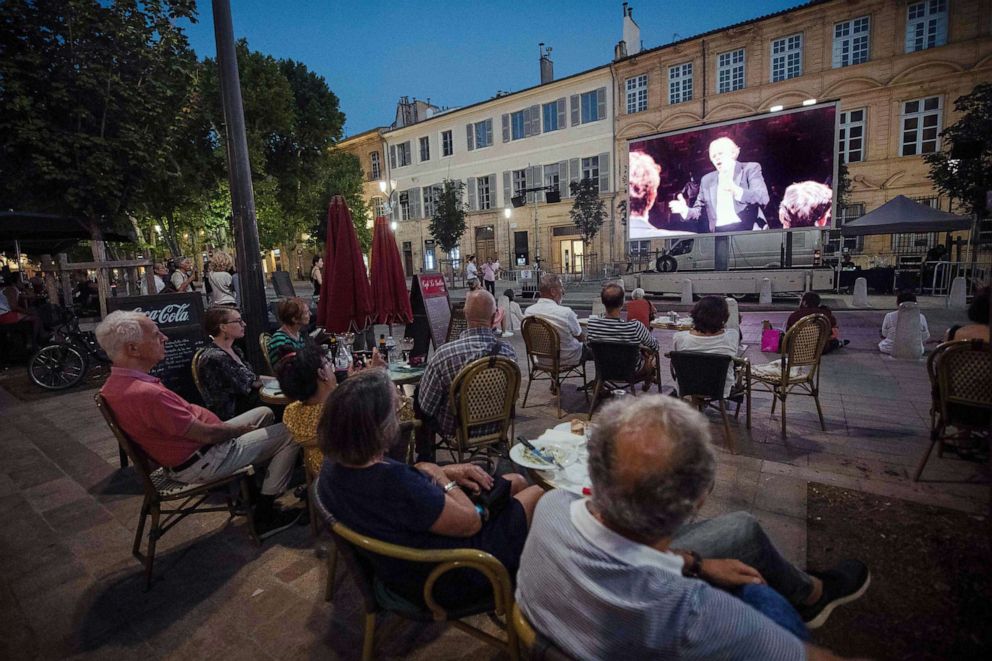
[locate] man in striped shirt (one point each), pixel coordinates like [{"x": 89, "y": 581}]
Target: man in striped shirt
[
  {"x": 611, "y": 328},
  {"x": 622, "y": 575}
]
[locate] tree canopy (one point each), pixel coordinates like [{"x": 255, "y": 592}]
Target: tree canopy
[
  {"x": 588, "y": 211},
  {"x": 448, "y": 221}
]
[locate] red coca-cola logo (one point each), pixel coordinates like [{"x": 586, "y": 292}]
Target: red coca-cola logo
[{"x": 174, "y": 313}]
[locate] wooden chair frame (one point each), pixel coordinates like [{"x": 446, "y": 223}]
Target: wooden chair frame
[
  {"x": 195, "y": 369},
  {"x": 263, "y": 342},
  {"x": 349, "y": 543},
  {"x": 794, "y": 354},
  {"x": 533, "y": 645},
  {"x": 945, "y": 405},
  {"x": 191, "y": 495},
  {"x": 556, "y": 374},
  {"x": 741, "y": 388}
]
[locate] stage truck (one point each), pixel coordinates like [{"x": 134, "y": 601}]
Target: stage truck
[{"x": 735, "y": 202}]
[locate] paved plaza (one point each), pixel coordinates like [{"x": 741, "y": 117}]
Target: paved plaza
[{"x": 69, "y": 586}]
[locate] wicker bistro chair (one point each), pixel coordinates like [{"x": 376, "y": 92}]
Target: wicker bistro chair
[
  {"x": 195, "y": 368},
  {"x": 798, "y": 369},
  {"x": 616, "y": 369},
  {"x": 961, "y": 375},
  {"x": 544, "y": 357},
  {"x": 263, "y": 342},
  {"x": 355, "y": 549},
  {"x": 160, "y": 489},
  {"x": 702, "y": 378},
  {"x": 533, "y": 644},
  {"x": 483, "y": 396}
]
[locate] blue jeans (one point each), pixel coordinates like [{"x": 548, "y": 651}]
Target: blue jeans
[{"x": 772, "y": 605}]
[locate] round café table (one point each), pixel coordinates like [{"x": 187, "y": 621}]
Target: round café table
[{"x": 271, "y": 393}]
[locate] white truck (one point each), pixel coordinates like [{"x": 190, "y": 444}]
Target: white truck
[{"x": 757, "y": 250}]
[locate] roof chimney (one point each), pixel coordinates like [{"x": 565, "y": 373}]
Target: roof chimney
[
  {"x": 631, "y": 33},
  {"x": 547, "y": 66}
]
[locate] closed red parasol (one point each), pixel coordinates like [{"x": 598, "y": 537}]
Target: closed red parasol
[
  {"x": 345, "y": 300},
  {"x": 390, "y": 298}
]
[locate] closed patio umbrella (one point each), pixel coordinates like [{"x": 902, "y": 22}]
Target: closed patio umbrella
[
  {"x": 345, "y": 300},
  {"x": 390, "y": 298}
]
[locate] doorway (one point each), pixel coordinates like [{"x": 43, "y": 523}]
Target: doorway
[
  {"x": 570, "y": 254},
  {"x": 521, "y": 254},
  {"x": 408, "y": 257},
  {"x": 485, "y": 244}
]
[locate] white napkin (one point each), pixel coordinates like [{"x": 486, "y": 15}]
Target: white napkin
[{"x": 555, "y": 436}]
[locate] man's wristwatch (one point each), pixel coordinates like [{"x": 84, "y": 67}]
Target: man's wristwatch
[
  {"x": 695, "y": 568},
  {"x": 450, "y": 486}
]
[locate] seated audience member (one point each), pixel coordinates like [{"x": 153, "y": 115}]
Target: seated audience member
[
  {"x": 623, "y": 574},
  {"x": 424, "y": 506},
  {"x": 230, "y": 385},
  {"x": 978, "y": 315},
  {"x": 220, "y": 279},
  {"x": 294, "y": 314},
  {"x": 889, "y": 324},
  {"x": 14, "y": 310},
  {"x": 570, "y": 334},
  {"x": 709, "y": 333},
  {"x": 307, "y": 377},
  {"x": 190, "y": 442},
  {"x": 512, "y": 314},
  {"x": 611, "y": 328},
  {"x": 810, "y": 304},
  {"x": 640, "y": 309},
  {"x": 477, "y": 341},
  {"x": 806, "y": 204}
]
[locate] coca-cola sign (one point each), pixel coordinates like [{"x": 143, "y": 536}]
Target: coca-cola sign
[{"x": 174, "y": 313}]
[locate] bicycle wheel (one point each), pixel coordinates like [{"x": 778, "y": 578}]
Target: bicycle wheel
[{"x": 57, "y": 367}]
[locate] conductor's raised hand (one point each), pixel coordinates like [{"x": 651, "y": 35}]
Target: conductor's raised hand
[{"x": 679, "y": 206}]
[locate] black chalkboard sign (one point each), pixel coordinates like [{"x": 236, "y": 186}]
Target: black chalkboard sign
[
  {"x": 178, "y": 317},
  {"x": 282, "y": 284},
  {"x": 431, "y": 312}
]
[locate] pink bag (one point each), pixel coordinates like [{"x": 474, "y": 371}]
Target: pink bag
[{"x": 771, "y": 338}]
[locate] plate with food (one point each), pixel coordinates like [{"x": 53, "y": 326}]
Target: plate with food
[{"x": 543, "y": 455}]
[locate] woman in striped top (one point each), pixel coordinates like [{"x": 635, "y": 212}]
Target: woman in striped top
[{"x": 294, "y": 314}]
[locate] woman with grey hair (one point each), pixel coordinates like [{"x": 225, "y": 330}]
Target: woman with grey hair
[
  {"x": 640, "y": 309},
  {"x": 423, "y": 506},
  {"x": 221, "y": 279}
]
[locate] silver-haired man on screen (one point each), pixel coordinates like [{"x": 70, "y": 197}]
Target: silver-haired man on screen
[{"x": 732, "y": 197}]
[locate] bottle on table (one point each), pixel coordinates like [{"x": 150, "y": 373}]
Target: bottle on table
[
  {"x": 383, "y": 349},
  {"x": 334, "y": 347},
  {"x": 392, "y": 355}
]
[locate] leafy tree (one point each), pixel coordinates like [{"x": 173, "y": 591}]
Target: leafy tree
[
  {"x": 963, "y": 170},
  {"x": 588, "y": 211},
  {"x": 343, "y": 176},
  {"x": 448, "y": 221},
  {"x": 91, "y": 92}
]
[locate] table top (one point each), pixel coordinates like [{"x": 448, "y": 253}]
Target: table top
[{"x": 573, "y": 478}]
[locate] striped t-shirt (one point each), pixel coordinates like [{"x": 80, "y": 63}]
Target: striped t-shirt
[
  {"x": 281, "y": 343},
  {"x": 610, "y": 329}
]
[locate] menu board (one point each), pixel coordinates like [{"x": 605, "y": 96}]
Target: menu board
[
  {"x": 178, "y": 317},
  {"x": 431, "y": 312}
]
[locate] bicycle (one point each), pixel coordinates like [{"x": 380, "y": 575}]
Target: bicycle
[{"x": 67, "y": 359}]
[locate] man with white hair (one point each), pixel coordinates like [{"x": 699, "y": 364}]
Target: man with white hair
[
  {"x": 623, "y": 575},
  {"x": 190, "y": 442},
  {"x": 731, "y": 197}
]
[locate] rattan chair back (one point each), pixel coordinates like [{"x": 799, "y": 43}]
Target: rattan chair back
[
  {"x": 542, "y": 342},
  {"x": 195, "y": 368},
  {"x": 803, "y": 344},
  {"x": 964, "y": 381},
  {"x": 483, "y": 395},
  {"x": 134, "y": 453},
  {"x": 263, "y": 343}
]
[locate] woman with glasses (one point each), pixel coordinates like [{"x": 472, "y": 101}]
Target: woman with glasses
[{"x": 229, "y": 384}]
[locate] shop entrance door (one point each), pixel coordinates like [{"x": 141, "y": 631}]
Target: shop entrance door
[{"x": 570, "y": 254}]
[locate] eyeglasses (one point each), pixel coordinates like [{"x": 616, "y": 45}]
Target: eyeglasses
[{"x": 239, "y": 320}]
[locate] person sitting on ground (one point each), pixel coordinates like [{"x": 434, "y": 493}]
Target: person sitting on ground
[
  {"x": 477, "y": 341},
  {"x": 220, "y": 279},
  {"x": 423, "y": 506},
  {"x": 512, "y": 314},
  {"x": 978, "y": 315},
  {"x": 230, "y": 386},
  {"x": 294, "y": 314},
  {"x": 623, "y": 574},
  {"x": 709, "y": 334},
  {"x": 611, "y": 328},
  {"x": 640, "y": 309},
  {"x": 191, "y": 443},
  {"x": 810, "y": 304},
  {"x": 183, "y": 278},
  {"x": 549, "y": 308},
  {"x": 890, "y": 322}
]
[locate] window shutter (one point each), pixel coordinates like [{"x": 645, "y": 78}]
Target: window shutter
[
  {"x": 505, "y": 118},
  {"x": 535, "y": 121},
  {"x": 507, "y": 191},
  {"x": 392, "y": 156},
  {"x": 471, "y": 194},
  {"x": 563, "y": 176},
  {"x": 574, "y": 173},
  {"x": 415, "y": 203},
  {"x": 396, "y": 210},
  {"x": 470, "y": 136},
  {"x": 604, "y": 173},
  {"x": 529, "y": 182},
  {"x": 574, "y": 100},
  {"x": 561, "y": 116},
  {"x": 493, "y": 204},
  {"x": 601, "y": 103},
  {"x": 489, "y": 132}
]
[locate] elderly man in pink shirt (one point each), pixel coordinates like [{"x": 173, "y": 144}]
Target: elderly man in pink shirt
[{"x": 188, "y": 441}]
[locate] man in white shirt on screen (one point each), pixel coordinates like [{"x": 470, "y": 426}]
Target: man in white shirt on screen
[{"x": 732, "y": 197}]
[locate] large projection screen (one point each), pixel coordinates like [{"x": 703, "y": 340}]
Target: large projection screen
[{"x": 768, "y": 173}]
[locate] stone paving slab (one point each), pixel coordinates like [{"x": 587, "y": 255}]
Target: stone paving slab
[{"x": 69, "y": 586}]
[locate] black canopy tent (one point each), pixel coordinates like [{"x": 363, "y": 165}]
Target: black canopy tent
[{"x": 900, "y": 215}]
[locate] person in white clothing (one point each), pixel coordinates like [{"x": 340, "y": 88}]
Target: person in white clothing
[
  {"x": 564, "y": 319},
  {"x": 159, "y": 273},
  {"x": 710, "y": 335},
  {"x": 890, "y": 320},
  {"x": 183, "y": 278},
  {"x": 512, "y": 314},
  {"x": 471, "y": 270},
  {"x": 221, "y": 280}
]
